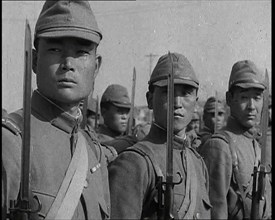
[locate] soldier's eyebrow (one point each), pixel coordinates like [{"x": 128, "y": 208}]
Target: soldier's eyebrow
[
  {"x": 53, "y": 40},
  {"x": 81, "y": 42}
]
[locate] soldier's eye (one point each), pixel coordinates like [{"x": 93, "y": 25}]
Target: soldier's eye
[
  {"x": 54, "y": 49},
  {"x": 84, "y": 52}
]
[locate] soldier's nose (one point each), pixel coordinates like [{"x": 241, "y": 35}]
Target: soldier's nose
[{"x": 68, "y": 64}]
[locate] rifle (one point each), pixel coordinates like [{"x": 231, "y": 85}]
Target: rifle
[
  {"x": 165, "y": 212},
  {"x": 258, "y": 187},
  {"x": 130, "y": 128},
  {"x": 216, "y": 111},
  {"x": 20, "y": 208}
]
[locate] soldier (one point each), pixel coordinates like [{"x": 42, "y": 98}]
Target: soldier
[
  {"x": 210, "y": 120},
  {"x": 231, "y": 155},
  {"x": 66, "y": 63},
  {"x": 194, "y": 123},
  {"x": 115, "y": 106},
  {"x": 132, "y": 175},
  {"x": 92, "y": 114}
]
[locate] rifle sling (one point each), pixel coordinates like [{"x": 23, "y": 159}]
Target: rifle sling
[
  {"x": 188, "y": 206},
  {"x": 237, "y": 177},
  {"x": 71, "y": 188}
]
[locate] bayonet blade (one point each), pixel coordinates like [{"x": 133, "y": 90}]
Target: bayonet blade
[
  {"x": 170, "y": 132},
  {"x": 264, "y": 120},
  {"x": 132, "y": 103},
  {"x": 26, "y": 133}
]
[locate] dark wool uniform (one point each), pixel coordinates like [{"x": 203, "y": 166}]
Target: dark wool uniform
[
  {"x": 223, "y": 187},
  {"x": 204, "y": 135},
  {"x": 121, "y": 143},
  {"x": 104, "y": 133},
  {"x": 52, "y": 131},
  {"x": 133, "y": 180}
]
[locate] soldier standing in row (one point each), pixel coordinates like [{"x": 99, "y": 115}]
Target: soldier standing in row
[
  {"x": 210, "y": 120},
  {"x": 231, "y": 154},
  {"x": 115, "y": 106},
  {"x": 133, "y": 177},
  {"x": 92, "y": 113},
  {"x": 65, "y": 62}
]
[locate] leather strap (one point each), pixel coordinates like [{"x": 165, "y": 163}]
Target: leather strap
[
  {"x": 72, "y": 186},
  {"x": 188, "y": 206}
]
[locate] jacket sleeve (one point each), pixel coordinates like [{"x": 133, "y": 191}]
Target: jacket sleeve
[
  {"x": 217, "y": 157},
  {"x": 11, "y": 164},
  {"x": 128, "y": 178}
]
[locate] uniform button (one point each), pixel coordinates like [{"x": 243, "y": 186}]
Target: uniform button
[
  {"x": 198, "y": 215},
  {"x": 86, "y": 184}
]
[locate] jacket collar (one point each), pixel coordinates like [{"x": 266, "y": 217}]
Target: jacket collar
[
  {"x": 235, "y": 127},
  {"x": 158, "y": 135},
  {"x": 48, "y": 111}
]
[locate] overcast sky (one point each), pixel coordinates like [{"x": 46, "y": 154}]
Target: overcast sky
[{"x": 213, "y": 35}]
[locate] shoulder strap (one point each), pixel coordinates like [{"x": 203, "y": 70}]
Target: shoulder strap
[
  {"x": 93, "y": 143},
  {"x": 236, "y": 174},
  {"x": 14, "y": 122},
  {"x": 147, "y": 153},
  {"x": 72, "y": 186}
]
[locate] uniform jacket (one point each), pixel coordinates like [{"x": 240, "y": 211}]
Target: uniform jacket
[
  {"x": 104, "y": 133},
  {"x": 121, "y": 143},
  {"x": 51, "y": 131},
  {"x": 132, "y": 179},
  {"x": 204, "y": 135},
  {"x": 223, "y": 187}
]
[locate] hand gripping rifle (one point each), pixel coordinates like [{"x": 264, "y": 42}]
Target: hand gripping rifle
[
  {"x": 20, "y": 208},
  {"x": 165, "y": 212},
  {"x": 130, "y": 128},
  {"x": 258, "y": 187}
]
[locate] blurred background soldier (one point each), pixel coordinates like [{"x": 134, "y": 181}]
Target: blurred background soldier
[
  {"x": 232, "y": 153},
  {"x": 192, "y": 130},
  {"x": 92, "y": 113},
  {"x": 210, "y": 120},
  {"x": 194, "y": 123},
  {"x": 115, "y": 106}
]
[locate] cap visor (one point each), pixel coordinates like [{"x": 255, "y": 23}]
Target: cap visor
[
  {"x": 90, "y": 36},
  {"x": 249, "y": 85},
  {"x": 122, "y": 105},
  {"x": 176, "y": 81}
]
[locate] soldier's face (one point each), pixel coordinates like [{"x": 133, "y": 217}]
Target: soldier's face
[
  {"x": 185, "y": 98},
  {"x": 66, "y": 69},
  {"x": 116, "y": 118},
  {"x": 246, "y": 106},
  {"x": 210, "y": 120}
]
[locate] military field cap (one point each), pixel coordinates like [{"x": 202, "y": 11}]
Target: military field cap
[
  {"x": 183, "y": 71},
  {"x": 245, "y": 74},
  {"x": 71, "y": 18},
  {"x": 117, "y": 95},
  {"x": 209, "y": 105},
  {"x": 92, "y": 105},
  {"x": 195, "y": 116}
]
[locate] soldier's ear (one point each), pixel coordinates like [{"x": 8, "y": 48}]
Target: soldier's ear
[
  {"x": 228, "y": 98},
  {"x": 34, "y": 61},
  {"x": 149, "y": 97},
  {"x": 98, "y": 64}
]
